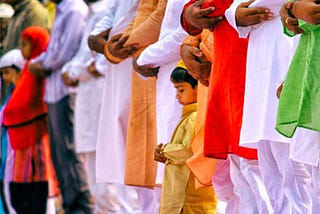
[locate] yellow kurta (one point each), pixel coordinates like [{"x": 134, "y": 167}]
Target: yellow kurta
[{"x": 178, "y": 191}]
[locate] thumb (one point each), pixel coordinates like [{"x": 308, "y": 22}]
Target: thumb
[
  {"x": 246, "y": 4},
  {"x": 196, "y": 52},
  {"x": 116, "y": 37},
  {"x": 123, "y": 39}
]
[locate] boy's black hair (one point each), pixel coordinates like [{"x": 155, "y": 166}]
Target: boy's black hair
[
  {"x": 15, "y": 68},
  {"x": 181, "y": 75}
]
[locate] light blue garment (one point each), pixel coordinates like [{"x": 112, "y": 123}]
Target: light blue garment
[
  {"x": 4, "y": 147},
  {"x": 65, "y": 40},
  {"x": 4, "y": 139},
  {"x": 77, "y": 67},
  {"x": 3, "y": 153}
]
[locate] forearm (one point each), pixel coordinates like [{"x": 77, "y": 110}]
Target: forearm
[
  {"x": 38, "y": 70},
  {"x": 158, "y": 53}
]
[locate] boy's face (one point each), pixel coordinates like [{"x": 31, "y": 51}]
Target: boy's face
[
  {"x": 9, "y": 75},
  {"x": 185, "y": 93}
]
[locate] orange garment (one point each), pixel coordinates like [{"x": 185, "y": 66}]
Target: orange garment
[
  {"x": 202, "y": 167},
  {"x": 225, "y": 92},
  {"x": 141, "y": 169}
]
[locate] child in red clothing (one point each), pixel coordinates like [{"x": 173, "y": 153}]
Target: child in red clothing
[{"x": 25, "y": 119}]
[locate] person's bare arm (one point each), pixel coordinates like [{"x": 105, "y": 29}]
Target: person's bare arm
[{"x": 38, "y": 70}]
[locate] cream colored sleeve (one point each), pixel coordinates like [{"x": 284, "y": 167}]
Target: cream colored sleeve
[{"x": 148, "y": 31}]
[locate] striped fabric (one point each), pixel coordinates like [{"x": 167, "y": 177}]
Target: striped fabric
[{"x": 30, "y": 164}]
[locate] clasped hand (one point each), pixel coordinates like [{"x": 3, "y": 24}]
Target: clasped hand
[
  {"x": 116, "y": 46},
  {"x": 145, "y": 70},
  {"x": 198, "y": 17}
]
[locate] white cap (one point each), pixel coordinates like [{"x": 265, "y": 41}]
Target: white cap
[
  {"x": 13, "y": 57},
  {"x": 6, "y": 11}
]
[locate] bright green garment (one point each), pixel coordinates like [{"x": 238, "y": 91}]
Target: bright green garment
[
  {"x": 178, "y": 190},
  {"x": 299, "y": 104}
]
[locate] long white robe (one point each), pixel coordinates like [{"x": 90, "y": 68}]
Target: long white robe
[
  {"x": 165, "y": 53},
  {"x": 115, "y": 103},
  {"x": 111, "y": 145},
  {"x": 89, "y": 90},
  {"x": 108, "y": 197},
  {"x": 269, "y": 55}
]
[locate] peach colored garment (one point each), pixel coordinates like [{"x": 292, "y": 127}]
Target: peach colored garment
[
  {"x": 142, "y": 27},
  {"x": 202, "y": 167},
  {"x": 142, "y": 136}
]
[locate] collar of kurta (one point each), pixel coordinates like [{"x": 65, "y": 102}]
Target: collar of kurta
[{"x": 189, "y": 108}]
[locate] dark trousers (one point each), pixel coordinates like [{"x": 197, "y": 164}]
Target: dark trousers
[
  {"x": 69, "y": 170},
  {"x": 29, "y": 198}
]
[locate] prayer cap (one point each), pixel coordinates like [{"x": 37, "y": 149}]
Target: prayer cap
[
  {"x": 6, "y": 11},
  {"x": 12, "y": 58}
]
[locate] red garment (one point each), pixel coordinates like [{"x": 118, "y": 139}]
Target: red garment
[
  {"x": 24, "y": 114},
  {"x": 225, "y": 92},
  {"x": 220, "y": 8}
]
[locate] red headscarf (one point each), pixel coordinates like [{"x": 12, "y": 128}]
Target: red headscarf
[
  {"x": 24, "y": 115},
  {"x": 39, "y": 39}
]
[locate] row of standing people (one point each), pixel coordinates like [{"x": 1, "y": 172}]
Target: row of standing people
[{"x": 143, "y": 112}]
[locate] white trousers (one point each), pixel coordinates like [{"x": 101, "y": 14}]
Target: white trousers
[
  {"x": 248, "y": 185},
  {"x": 224, "y": 187},
  {"x": 110, "y": 198},
  {"x": 286, "y": 180},
  {"x": 149, "y": 199}
]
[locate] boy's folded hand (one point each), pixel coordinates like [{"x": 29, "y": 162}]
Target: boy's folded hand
[{"x": 158, "y": 154}]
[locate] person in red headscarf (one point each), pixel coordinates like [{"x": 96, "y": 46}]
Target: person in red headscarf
[{"x": 26, "y": 121}]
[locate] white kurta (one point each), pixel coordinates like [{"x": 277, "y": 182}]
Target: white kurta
[
  {"x": 269, "y": 55},
  {"x": 89, "y": 90},
  {"x": 114, "y": 112},
  {"x": 166, "y": 53}
]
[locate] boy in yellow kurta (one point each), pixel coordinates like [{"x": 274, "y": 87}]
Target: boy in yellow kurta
[{"x": 178, "y": 189}]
